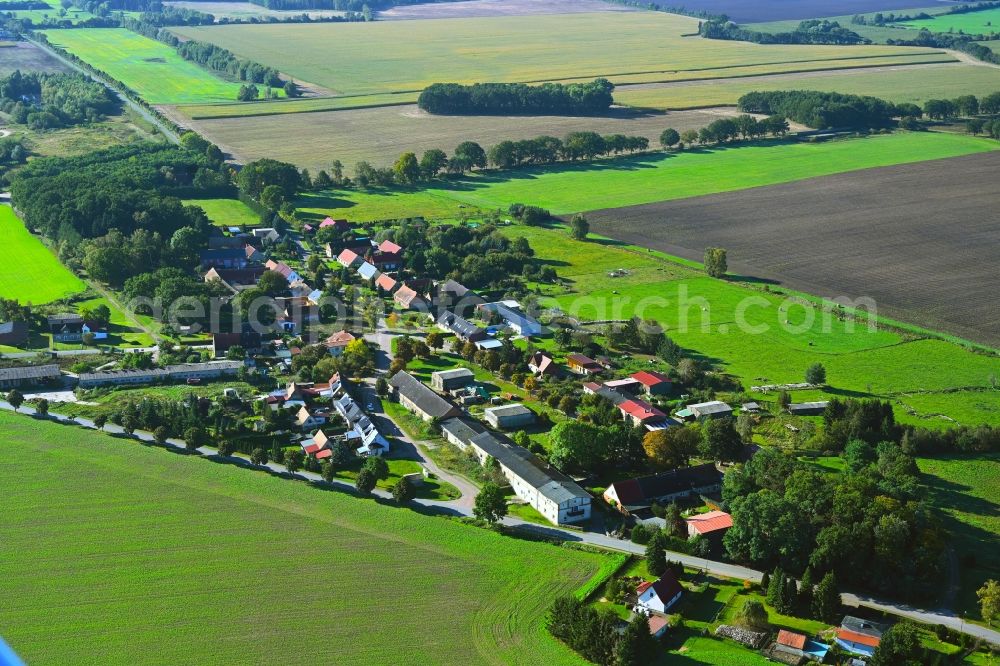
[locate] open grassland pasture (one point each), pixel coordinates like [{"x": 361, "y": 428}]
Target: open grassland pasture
[
  {"x": 125, "y": 540},
  {"x": 245, "y": 10},
  {"x": 926, "y": 258},
  {"x": 53, "y": 13},
  {"x": 485, "y": 8},
  {"x": 28, "y": 271},
  {"x": 387, "y": 56},
  {"x": 703, "y": 315},
  {"x": 392, "y": 130},
  {"x": 151, "y": 68},
  {"x": 982, "y": 22},
  {"x": 915, "y": 83},
  {"x": 967, "y": 489},
  {"x": 27, "y": 57},
  {"x": 80, "y": 139},
  {"x": 653, "y": 177},
  {"x": 226, "y": 212},
  {"x": 878, "y": 34}
]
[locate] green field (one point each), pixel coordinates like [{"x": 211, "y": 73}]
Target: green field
[
  {"x": 880, "y": 363},
  {"x": 226, "y": 212},
  {"x": 150, "y": 68},
  {"x": 967, "y": 488},
  {"x": 650, "y": 178},
  {"x": 914, "y": 84},
  {"x": 71, "y": 14},
  {"x": 982, "y": 22},
  {"x": 110, "y": 546},
  {"x": 388, "y": 56},
  {"x": 28, "y": 271}
]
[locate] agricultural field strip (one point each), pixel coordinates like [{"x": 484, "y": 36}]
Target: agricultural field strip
[
  {"x": 624, "y": 85},
  {"x": 117, "y": 583},
  {"x": 346, "y": 59},
  {"x": 29, "y": 272},
  {"x": 152, "y": 69},
  {"x": 911, "y": 83},
  {"x": 984, "y": 21},
  {"x": 938, "y": 231}
]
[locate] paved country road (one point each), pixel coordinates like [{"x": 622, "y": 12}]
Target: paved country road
[{"x": 463, "y": 507}]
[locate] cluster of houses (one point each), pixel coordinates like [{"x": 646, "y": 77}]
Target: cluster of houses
[
  {"x": 552, "y": 493},
  {"x": 854, "y": 636},
  {"x": 361, "y": 434}
]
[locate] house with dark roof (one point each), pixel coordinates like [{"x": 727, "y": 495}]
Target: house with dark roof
[
  {"x": 223, "y": 342},
  {"x": 659, "y": 596},
  {"x": 233, "y": 257},
  {"x": 460, "y": 430},
  {"x": 236, "y": 279},
  {"x": 509, "y": 417},
  {"x": 14, "y": 333},
  {"x": 808, "y": 408},
  {"x": 456, "y": 297},
  {"x": 583, "y": 365},
  {"x": 463, "y": 329},
  {"x": 415, "y": 396},
  {"x": 28, "y": 375},
  {"x": 449, "y": 380},
  {"x": 552, "y": 493},
  {"x": 66, "y": 327},
  {"x": 632, "y": 495}
]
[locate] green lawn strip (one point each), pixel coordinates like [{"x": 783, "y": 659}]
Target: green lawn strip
[
  {"x": 433, "y": 489},
  {"x": 226, "y": 212},
  {"x": 964, "y": 487},
  {"x": 152, "y": 69},
  {"x": 128, "y": 541},
  {"x": 121, "y": 332},
  {"x": 29, "y": 272},
  {"x": 648, "y": 178}
]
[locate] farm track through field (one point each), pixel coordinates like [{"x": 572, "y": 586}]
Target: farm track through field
[{"x": 919, "y": 239}]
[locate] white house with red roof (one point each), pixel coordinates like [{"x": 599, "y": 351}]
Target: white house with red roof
[
  {"x": 348, "y": 258},
  {"x": 654, "y": 383},
  {"x": 337, "y": 342},
  {"x": 658, "y": 597},
  {"x": 641, "y": 413},
  {"x": 713, "y": 523}
]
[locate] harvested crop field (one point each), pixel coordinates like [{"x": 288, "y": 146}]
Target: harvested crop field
[
  {"x": 896, "y": 83},
  {"x": 109, "y": 545},
  {"x": 395, "y": 56},
  {"x": 27, "y": 57},
  {"x": 480, "y": 8},
  {"x": 920, "y": 239},
  {"x": 380, "y": 135}
]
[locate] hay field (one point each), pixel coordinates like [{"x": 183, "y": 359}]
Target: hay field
[
  {"x": 151, "y": 68},
  {"x": 926, "y": 258},
  {"x": 226, "y": 212},
  {"x": 111, "y": 545},
  {"x": 380, "y": 135},
  {"x": 387, "y": 56},
  {"x": 899, "y": 84},
  {"x": 981, "y": 22},
  {"x": 658, "y": 176},
  {"x": 703, "y": 314},
  {"x": 28, "y": 271}
]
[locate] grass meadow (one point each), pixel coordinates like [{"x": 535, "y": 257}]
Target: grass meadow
[
  {"x": 981, "y": 22},
  {"x": 649, "y": 178},
  {"x": 150, "y": 68},
  {"x": 700, "y": 314},
  {"x": 967, "y": 489},
  {"x": 28, "y": 271},
  {"x": 111, "y": 543},
  {"x": 914, "y": 84},
  {"x": 226, "y": 212},
  {"x": 396, "y": 56}
]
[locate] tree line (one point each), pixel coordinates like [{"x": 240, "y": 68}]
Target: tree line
[
  {"x": 964, "y": 106},
  {"x": 518, "y": 98},
  {"x": 821, "y": 110},
  {"x": 942, "y": 40},
  {"x": 595, "y": 635},
  {"x": 814, "y": 31},
  {"x": 13, "y": 5},
  {"x": 208, "y": 55},
  {"x": 45, "y": 101}
]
